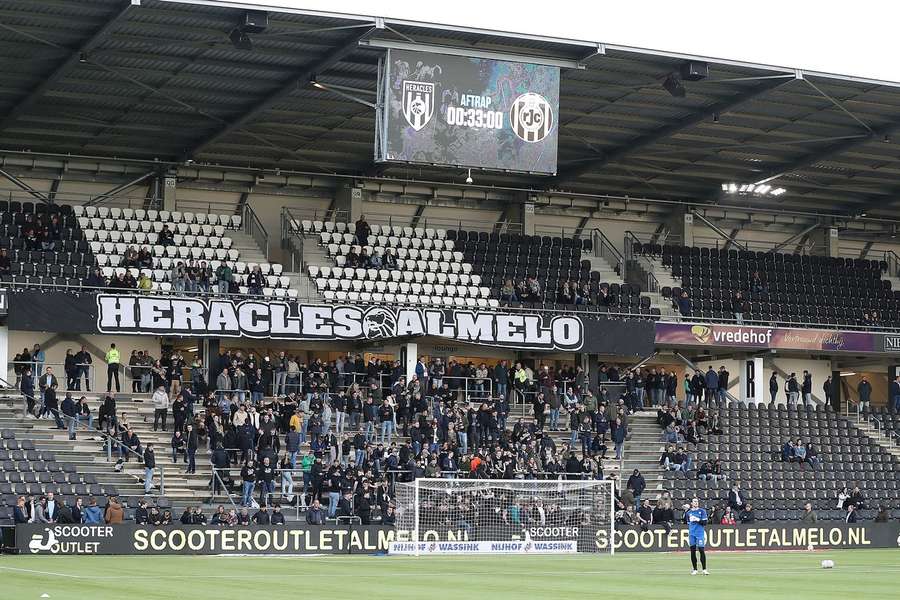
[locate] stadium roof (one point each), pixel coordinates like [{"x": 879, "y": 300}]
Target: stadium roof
[{"x": 159, "y": 79}]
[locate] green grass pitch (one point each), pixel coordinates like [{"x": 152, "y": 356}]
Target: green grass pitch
[{"x": 869, "y": 574}]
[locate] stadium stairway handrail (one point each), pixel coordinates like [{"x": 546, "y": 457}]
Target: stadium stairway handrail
[
  {"x": 109, "y": 440},
  {"x": 254, "y": 227}
]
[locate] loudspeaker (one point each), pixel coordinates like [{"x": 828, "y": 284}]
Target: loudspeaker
[
  {"x": 694, "y": 71},
  {"x": 255, "y": 21}
]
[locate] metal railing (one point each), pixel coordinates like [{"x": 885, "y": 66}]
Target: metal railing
[
  {"x": 75, "y": 422},
  {"x": 605, "y": 249},
  {"x": 254, "y": 227},
  {"x": 638, "y": 268},
  {"x": 61, "y": 375},
  {"x": 292, "y": 239}
]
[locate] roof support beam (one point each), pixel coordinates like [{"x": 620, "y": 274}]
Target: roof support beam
[
  {"x": 298, "y": 80},
  {"x": 865, "y": 249},
  {"x": 582, "y": 223},
  {"x": 119, "y": 189},
  {"x": 92, "y": 42},
  {"x": 667, "y": 131},
  {"x": 718, "y": 230},
  {"x": 732, "y": 235},
  {"x": 420, "y": 210},
  {"x": 800, "y": 234},
  {"x": 24, "y": 186}
]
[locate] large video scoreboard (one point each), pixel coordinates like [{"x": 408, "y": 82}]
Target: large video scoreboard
[{"x": 461, "y": 111}]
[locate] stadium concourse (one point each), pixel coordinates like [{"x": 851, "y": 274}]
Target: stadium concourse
[{"x": 579, "y": 287}]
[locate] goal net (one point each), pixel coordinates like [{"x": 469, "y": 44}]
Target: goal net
[{"x": 469, "y": 516}]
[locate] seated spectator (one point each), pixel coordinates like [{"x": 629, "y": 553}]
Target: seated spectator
[
  {"x": 565, "y": 294},
  {"x": 711, "y": 471},
  {"x": 584, "y": 296},
  {"x": 364, "y": 258},
  {"x": 645, "y": 515},
  {"x": 166, "y": 236},
  {"x": 812, "y": 456},
  {"x": 746, "y": 516},
  {"x": 684, "y": 304},
  {"x": 799, "y": 452},
  {"x": 5, "y": 264},
  {"x": 787, "y": 451},
  {"x": 884, "y": 515},
  {"x": 852, "y": 516},
  {"x": 508, "y": 292},
  {"x": 130, "y": 259},
  {"x": 664, "y": 514},
  {"x": 757, "y": 283},
  {"x": 534, "y": 288},
  {"x": 31, "y": 241},
  {"x": 145, "y": 258},
  {"x": 375, "y": 260},
  {"x": 856, "y": 498},
  {"x": 353, "y": 258},
  {"x": 129, "y": 281},
  {"x": 728, "y": 517},
  {"x": 523, "y": 291},
  {"x": 604, "y": 297},
  {"x": 390, "y": 261},
  {"x": 94, "y": 280},
  {"x": 204, "y": 277},
  {"x": 145, "y": 283}
]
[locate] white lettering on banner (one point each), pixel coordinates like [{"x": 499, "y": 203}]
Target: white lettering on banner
[
  {"x": 154, "y": 315},
  {"x": 476, "y": 328},
  {"x": 188, "y": 314},
  {"x": 117, "y": 311},
  {"x": 348, "y": 322},
  {"x": 252, "y": 317},
  {"x": 223, "y": 318}
]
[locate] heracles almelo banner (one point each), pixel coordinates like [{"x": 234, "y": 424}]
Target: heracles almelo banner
[
  {"x": 468, "y": 112},
  {"x": 167, "y": 315}
]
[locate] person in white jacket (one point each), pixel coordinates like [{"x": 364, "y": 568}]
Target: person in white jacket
[{"x": 160, "y": 401}]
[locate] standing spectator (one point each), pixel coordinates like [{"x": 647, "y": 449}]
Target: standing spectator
[
  {"x": 711, "y": 380},
  {"x": 71, "y": 370},
  {"x": 149, "y": 467},
  {"x": 69, "y": 411},
  {"x": 684, "y": 304},
  {"x": 92, "y": 515},
  {"x": 806, "y": 389},
  {"x": 192, "y": 441},
  {"x": 773, "y": 387},
  {"x": 738, "y": 307},
  {"x": 864, "y": 389},
  {"x": 501, "y": 379},
  {"x": 793, "y": 389},
  {"x": 619, "y": 436},
  {"x": 828, "y": 388},
  {"x": 737, "y": 500},
  {"x": 160, "y": 407},
  {"x": 265, "y": 476},
  {"x": 224, "y": 277},
  {"x": 113, "y": 358},
  {"x": 281, "y": 375},
  {"x": 894, "y": 394},
  {"x": 723, "y": 384},
  {"x": 83, "y": 361},
  {"x": 637, "y": 484},
  {"x": 27, "y": 389},
  {"x": 363, "y": 230},
  {"x": 49, "y": 385},
  {"x": 255, "y": 282},
  {"x": 114, "y": 513}
]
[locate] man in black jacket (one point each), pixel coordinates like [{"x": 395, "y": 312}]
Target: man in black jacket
[
  {"x": 261, "y": 517},
  {"x": 773, "y": 387},
  {"x": 83, "y": 362},
  {"x": 637, "y": 484},
  {"x": 315, "y": 515},
  {"x": 191, "y": 444},
  {"x": 265, "y": 477},
  {"x": 149, "y": 467},
  {"x": 277, "y": 517},
  {"x": 737, "y": 499}
]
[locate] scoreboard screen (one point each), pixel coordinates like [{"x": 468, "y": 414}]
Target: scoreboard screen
[{"x": 461, "y": 111}]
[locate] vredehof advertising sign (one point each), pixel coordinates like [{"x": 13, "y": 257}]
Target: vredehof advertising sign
[{"x": 742, "y": 336}]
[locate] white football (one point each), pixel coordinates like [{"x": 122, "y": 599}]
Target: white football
[{"x": 827, "y": 564}]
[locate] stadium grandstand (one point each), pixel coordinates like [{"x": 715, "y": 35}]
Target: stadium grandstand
[{"x": 643, "y": 278}]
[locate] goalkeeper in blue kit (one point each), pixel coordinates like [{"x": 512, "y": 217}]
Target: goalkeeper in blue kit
[{"x": 696, "y": 519}]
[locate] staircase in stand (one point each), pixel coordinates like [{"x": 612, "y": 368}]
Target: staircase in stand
[
  {"x": 876, "y": 435},
  {"x": 642, "y": 452}
]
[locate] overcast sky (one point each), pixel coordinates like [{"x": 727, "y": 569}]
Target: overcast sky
[{"x": 856, "y": 37}]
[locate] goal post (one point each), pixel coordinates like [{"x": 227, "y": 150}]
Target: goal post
[{"x": 500, "y": 516}]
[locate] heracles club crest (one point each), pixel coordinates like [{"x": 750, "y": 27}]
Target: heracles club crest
[{"x": 418, "y": 103}]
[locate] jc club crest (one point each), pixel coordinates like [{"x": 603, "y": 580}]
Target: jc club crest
[
  {"x": 531, "y": 117},
  {"x": 418, "y": 103}
]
